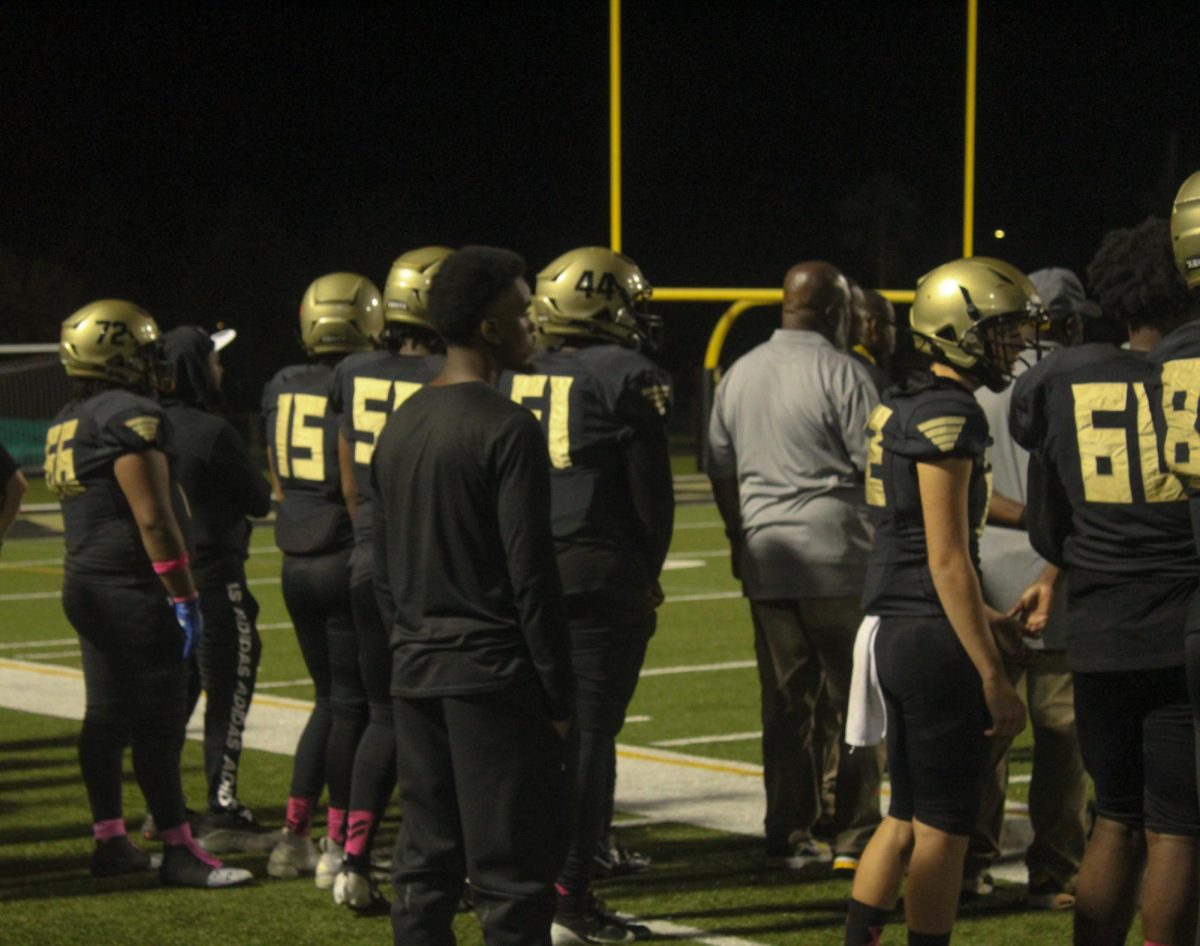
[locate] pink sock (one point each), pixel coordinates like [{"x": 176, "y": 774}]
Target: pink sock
[
  {"x": 336, "y": 828},
  {"x": 182, "y": 834},
  {"x": 299, "y": 815},
  {"x": 358, "y": 831},
  {"x": 1151, "y": 942},
  {"x": 107, "y": 830}
]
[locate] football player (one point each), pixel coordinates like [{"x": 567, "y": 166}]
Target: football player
[
  {"x": 223, "y": 488},
  {"x": 339, "y": 314},
  {"x": 1103, "y": 505},
  {"x": 109, "y": 459},
  {"x": 603, "y": 404},
  {"x": 366, "y": 388},
  {"x": 938, "y": 645},
  {"x": 1179, "y": 358}
]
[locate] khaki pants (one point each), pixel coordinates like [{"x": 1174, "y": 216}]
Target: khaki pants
[
  {"x": 799, "y": 643},
  {"x": 1058, "y": 790}
]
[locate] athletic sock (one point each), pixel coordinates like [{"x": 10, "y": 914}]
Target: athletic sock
[
  {"x": 928, "y": 939},
  {"x": 1150, "y": 942},
  {"x": 299, "y": 815},
  {"x": 108, "y": 829},
  {"x": 337, "y": 826},
  {"x": 864, "y": 923},
  {"x": 182, "y": 835},
  {"x": 358, "y": 833}
]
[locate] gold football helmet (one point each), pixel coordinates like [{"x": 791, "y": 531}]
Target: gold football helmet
[
  {"x": 962, "y": 308},
  {"x": 1185, "y": 230},
  {"x": 113, "y": 340},
  {"x": 340, "y": 312},
  {"x": 594, "y": 292},
  {"x": 406, "y": 294}
]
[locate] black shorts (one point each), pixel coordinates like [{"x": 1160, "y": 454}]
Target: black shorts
[
  {"x": 936, "y": 716},
  {"x": 1138, "y": 745}
]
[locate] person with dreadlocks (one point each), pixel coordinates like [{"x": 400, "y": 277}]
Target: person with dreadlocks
[{"x": 1103, "y": 506}]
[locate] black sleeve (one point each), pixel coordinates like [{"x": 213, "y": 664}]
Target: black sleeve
[
  {"x": 379, "y": 554},
  {"x": 1047, "y": 511},
  {"x": 523, "y": 516},
  {"x": 648, "y": 472},
  {"x": 246, "y": 488},
  {"x": 941, "y": 424}
]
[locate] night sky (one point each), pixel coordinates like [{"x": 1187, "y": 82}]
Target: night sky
[{"x": 209, "y": 164}]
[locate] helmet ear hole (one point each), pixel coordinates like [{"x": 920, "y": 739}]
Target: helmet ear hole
[{"x": 947, "y": 334}]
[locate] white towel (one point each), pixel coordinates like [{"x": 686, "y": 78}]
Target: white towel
[{"x": 866, "y": 716}]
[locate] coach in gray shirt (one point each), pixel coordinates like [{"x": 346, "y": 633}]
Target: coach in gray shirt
[{"x": 787, "y": 449}]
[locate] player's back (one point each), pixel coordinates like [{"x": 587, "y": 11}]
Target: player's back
[
  {"x": 1108, "y": 510},
  {"x": 367, "y": 387},
  {"x": 592, "y": 403},
  {"x": 1086, "y": 412},
  {"x": 301, "y": 430}
]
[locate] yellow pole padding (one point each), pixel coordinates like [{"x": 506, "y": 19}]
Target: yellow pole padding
[
  {"x": 716, "y": 341},
  {"x": 614, "y": 99},
  {"x": 692, "y": 294},
  {"x": 969, "y": 160}
]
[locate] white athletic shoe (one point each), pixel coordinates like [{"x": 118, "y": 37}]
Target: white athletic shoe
[
  {"x": 292, "y": 856},
  {"x": 328, "y": 864},
  {"x": 358, "y": 892}
]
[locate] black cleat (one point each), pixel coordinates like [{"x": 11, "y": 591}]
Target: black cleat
[{"x": 118, "y": 856}]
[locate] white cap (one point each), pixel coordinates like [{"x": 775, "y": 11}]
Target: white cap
[{"x": 222, "y": 337}]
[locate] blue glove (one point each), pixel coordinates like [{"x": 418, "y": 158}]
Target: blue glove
[{"x": 187, "y": 613}]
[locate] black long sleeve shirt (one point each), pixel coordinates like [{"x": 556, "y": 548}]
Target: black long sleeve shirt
[{"x": 464, "y": 555}]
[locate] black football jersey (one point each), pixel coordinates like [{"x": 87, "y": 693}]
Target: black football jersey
[
  {"x": 84, "y": 441},
  {"x": 604, "y": 410},
  {"x": 1176, "y": 392},
  {"x": 931, "y": 419},
  {"x": 1108, "y": 508},
  {"x": 367, "y": 387},
  {"x": 301, "y": 429}
]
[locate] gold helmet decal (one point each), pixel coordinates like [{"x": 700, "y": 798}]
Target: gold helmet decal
[
  {"x": 340, "y": 312},
  {"x": 113, "y": 340},
  {"x": 957, "y": 306},
  {"x": 1185, "y": 230},
  {"x": 406, "y": 293},
  {"x": 593, "y": 292}
]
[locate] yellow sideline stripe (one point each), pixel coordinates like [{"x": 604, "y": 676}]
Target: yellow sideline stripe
[{"x": 726, "y": 768}]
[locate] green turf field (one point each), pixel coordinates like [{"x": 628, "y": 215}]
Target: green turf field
[{"x": 703, "y": 883}]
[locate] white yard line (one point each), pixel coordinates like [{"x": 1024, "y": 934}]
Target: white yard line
[
  {"x": 713, "y": 524},
  {"x": 57, "y": 642},
  {"x": 697, "y": 668},
  {"x": 709, "y": 740},
  {"x": 704, "y": 596},
  {"x": 282, "y": 684},
  {"x": 47, "y": 655}
]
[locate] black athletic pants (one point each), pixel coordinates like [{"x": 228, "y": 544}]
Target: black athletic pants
[
  {"x": 608, "y": 647},
  {"x": 136, "y": 682},
  {"x": 316, "y": 590},
  {"x": 374, "y": 773},
  {"x": 225, "y": 667},
  {"x": 1193, "y": 678},
  {"x": 483, "y": 791}
]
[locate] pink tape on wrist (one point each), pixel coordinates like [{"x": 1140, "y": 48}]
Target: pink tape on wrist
[
  {"x": 186, "y": 598},
  {"x": 172, "y": 565}
]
